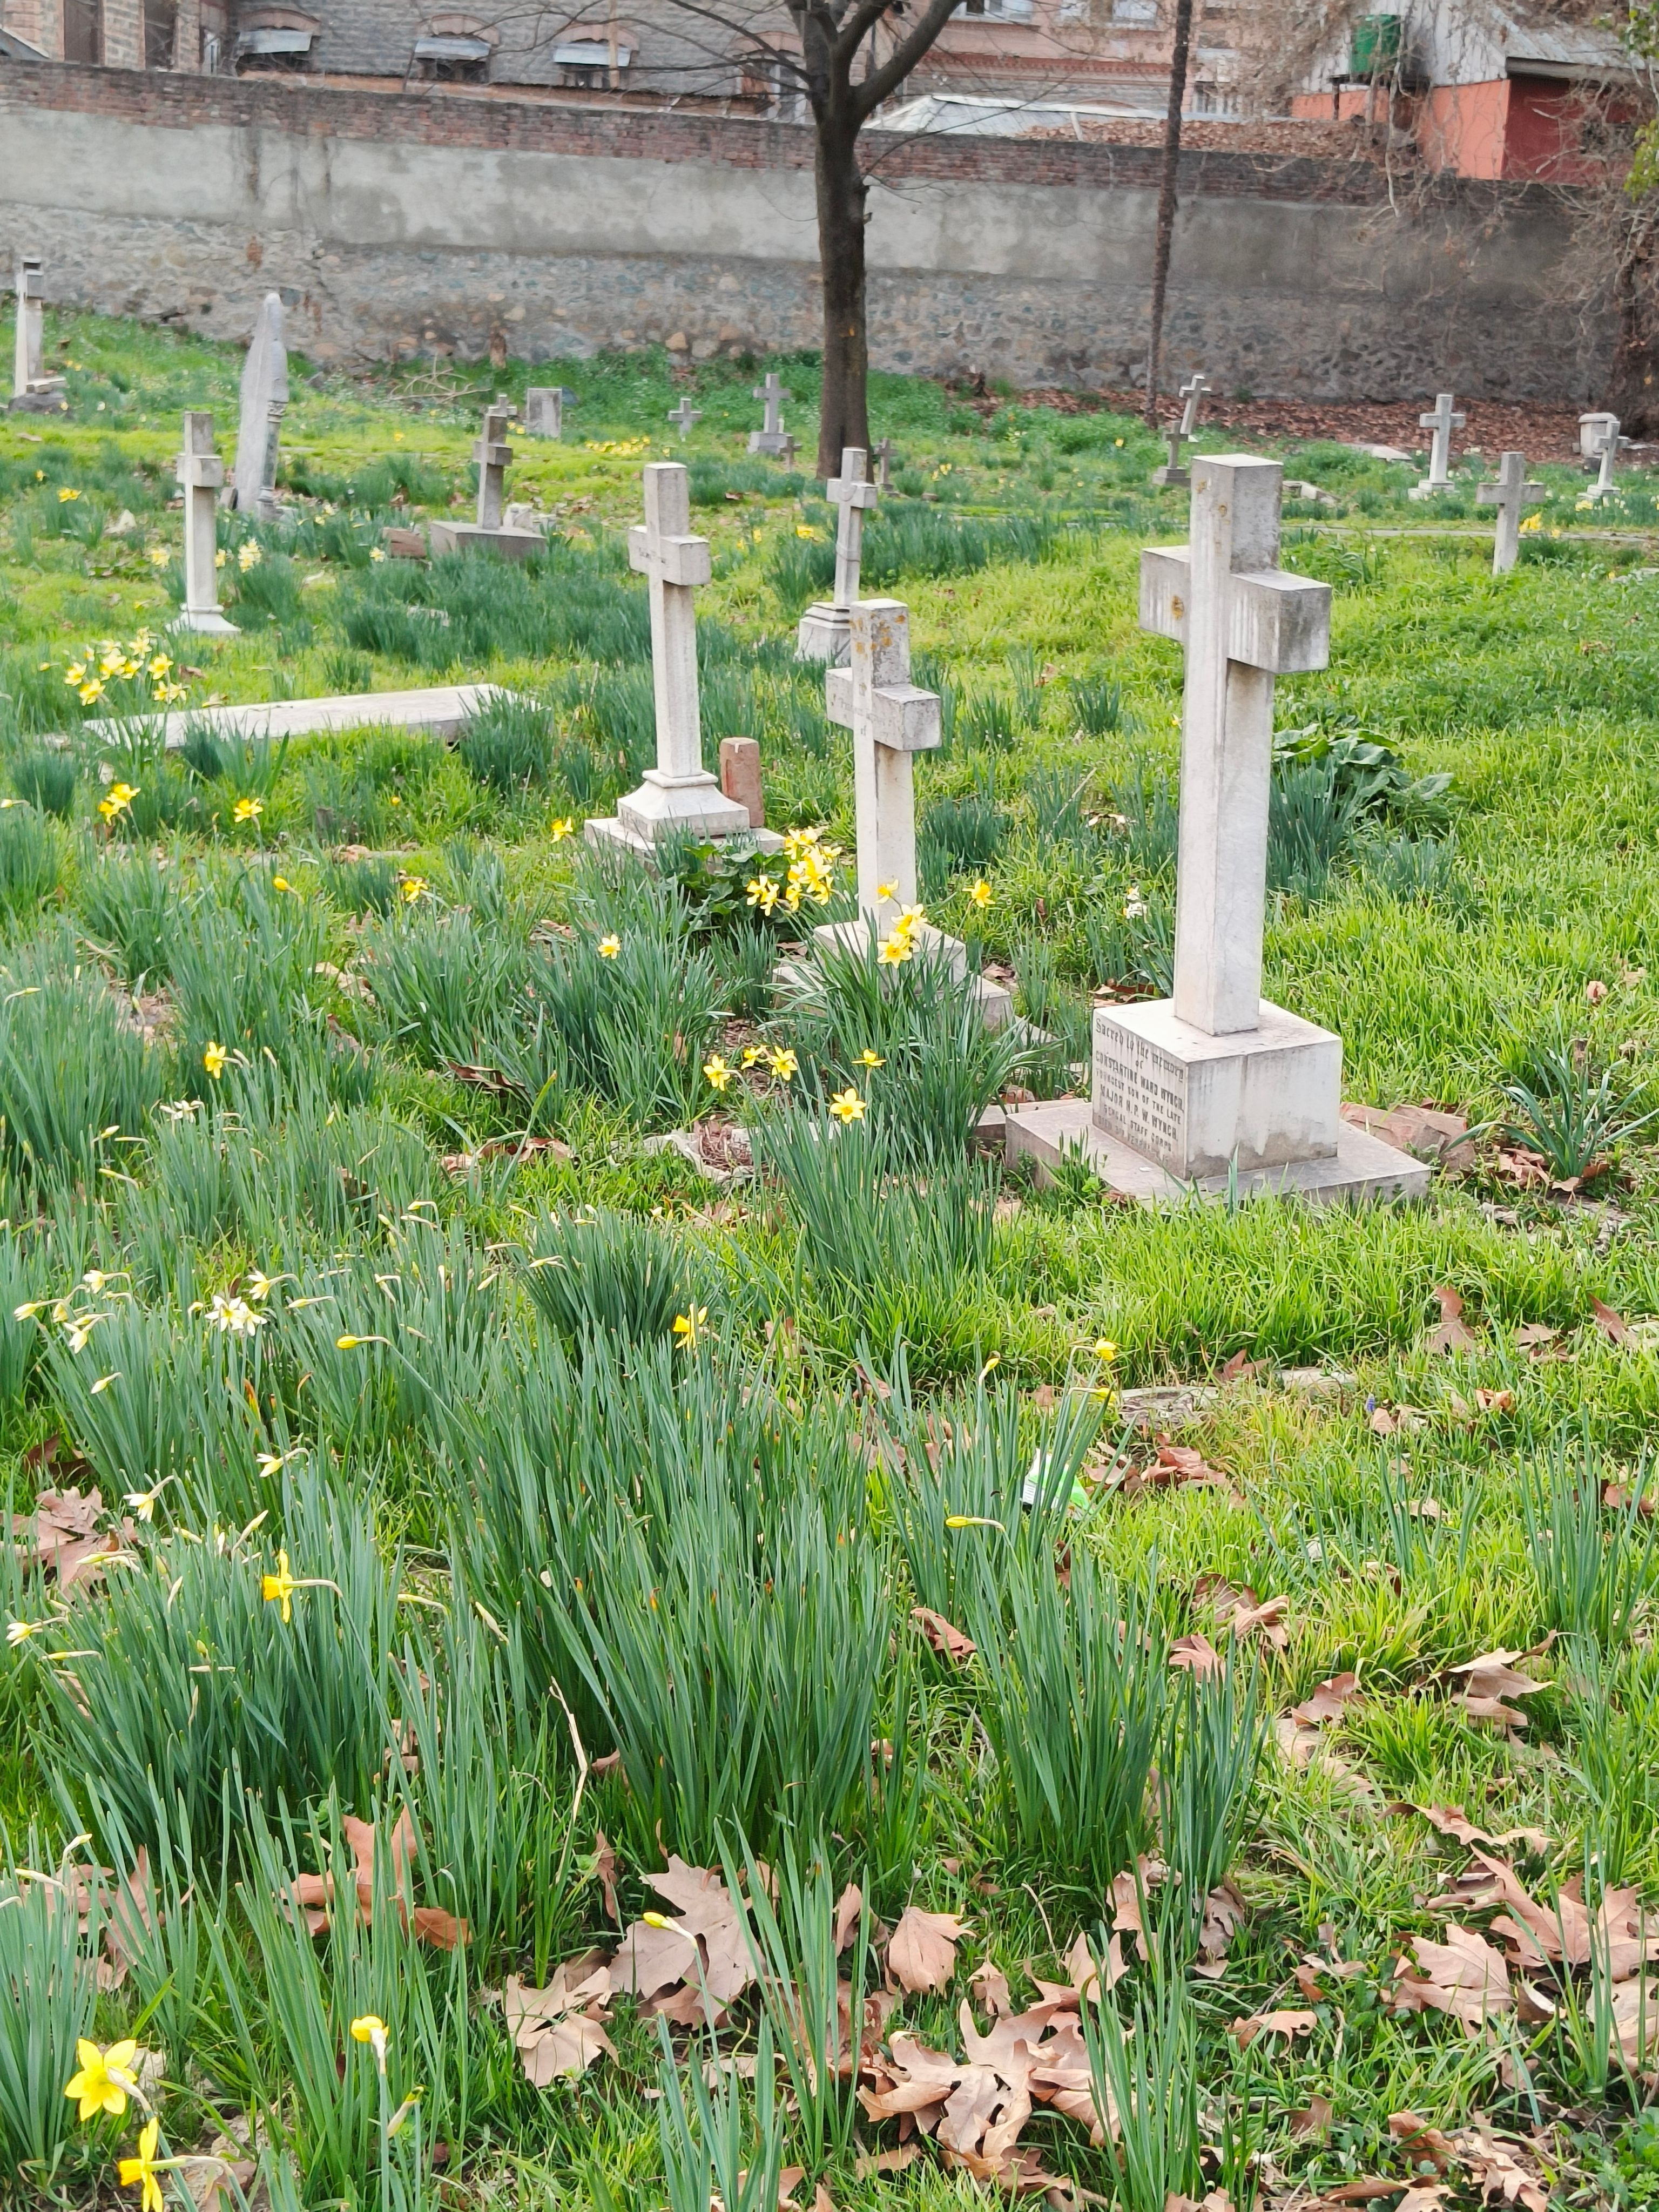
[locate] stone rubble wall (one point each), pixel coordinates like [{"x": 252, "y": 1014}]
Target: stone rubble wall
[{"x": 410, "y": 222}]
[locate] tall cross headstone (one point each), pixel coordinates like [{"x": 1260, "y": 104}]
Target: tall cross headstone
[
  {"x": 678, "y": 793},
  {"x": 891, "y": 720},
  {"x": 543, "y": 408},
  {"x": 26, "y": 365},
  {"x": 1193, "y": 393},
  {"x": 824, "y": 634},
  {"x": 264, "y": 402},
  {"x": 492, "y": 453},
  {"x": 1439, "y": 424},
  {"x": 1510, "y": 495},
  {"x": 885, "y": 456},
  {"x": 201, "y": 474},
  {"x": 1606, "y": 448},
  {"x": 1170, "y": 475},
  {"x": 771, "y": 437},
  {"x": 684, "y": 417}
]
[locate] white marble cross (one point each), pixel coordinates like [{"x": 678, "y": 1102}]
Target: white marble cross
[
  {"x": 201, "y": 473},
  {"x": 1606, "y": 447},
  {"x": 891, "y": 720},
  {"x": 684, "y": 417},
  {"x": 543, "y": 408},
  {"x": 773, "y": 394},
  {"x": 1441, "y": 423},
  {"x": 264, "y": 402},
  {"x": 1510, "y": 495},
  {"x": 852, "y": 494},
  {"x": 886, "y": 456},
  {"x": 1245, "y": 622},
  {"x": 27, "y": 361},
  {"x": 492, "y": 453},
  {"x": 1193, "y": 393}
]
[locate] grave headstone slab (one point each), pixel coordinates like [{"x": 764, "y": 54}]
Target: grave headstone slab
[
  {"x": 1590, "y": 428},
  {"x": 824, "y": 632},
  {"x": 886, "y": 455},
  {"x": 678, "y": 793},
  {"x": 891, "y": 720},
  {"x": 772, "y": 438},
  {"x": 1215, "y": 1083},
  {"x": 264, "y": 402},
  {"x": 740, "y": 777},
  {"x": 1510, "y": 495},
  {"x": 33, "y": 392},
  {"x": 1439, "y": 424},
  {"x": 201, "y": 474},
  {"x": 543, "y": 408}
]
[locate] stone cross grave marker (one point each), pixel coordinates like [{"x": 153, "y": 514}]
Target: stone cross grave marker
[
  {"x": 494, "y": 532},
  {"x": 1606, "y": 448},
  {"x": 1193, "y": 393},
  {"x": 684, "y": 417},
  {"x": 885, "y": 456},
  {"x": 1510, "y": 495},
  {"x": 201, "y": 473},
  {"x": 492, "y": 453},
  {"x": 771, "y": 437},
  {"x": 678, "y": 793},
  {"x": 824, "y": 632},
  {"x": 891, "y": 720},
  {"x": 1170, "y": 474},
  {"x": 1440, "y": 425},
  {"x": 1215, "y": 1082},
  {"x": 264, "y": 402},
  {"x": 543, "y": 408}
]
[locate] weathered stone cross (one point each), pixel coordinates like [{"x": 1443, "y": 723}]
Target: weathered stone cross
[
  {"x": 852, "y": 492},
  {"x": 201, "y": 473},
  {"x": 774, "y": 394},
  {"x": 678, "y": 793},
  {"x": 684, "y": 417},
  {"x": 1245, "y": 622},
  {"x": 31, "y": 311},
  {"x": 886, "y": 456},
  {"x": 1193, "y": 393},
  {"x": 1606, "y": 449},
  {"x": 1510, "y": 495},
  {"x": 1441, "y": 423},
  {"x": 890, "y": 720},
  {"x": 492, "y": 453}
]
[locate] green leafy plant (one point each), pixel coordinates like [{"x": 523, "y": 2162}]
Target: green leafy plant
[{"x": 1572, "y": 1112}]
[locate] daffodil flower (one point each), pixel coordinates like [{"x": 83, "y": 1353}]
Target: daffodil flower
[
  {"x": 279, "y": 1588},
  {"x": 783, "y": 1063},
  {"x": 140, "y": 2173},
  {"x": 233, "y": 1317},
  {"x": 144, "y": 1502},
  {"x": 717, "y": 1071},
  {"x": 105, "y": 2081},
  {"x": 66, "y": 492},
  {"x": 868, "y": 1058},
  {"x": 609, "y": 947},
  {"x": 413, "y": 888},
  {"x": 1105, "y": 1349},
  {"x": 247, "y": 810},
  {"x": 762, "y": 892},
  {"x": 688, "y": 1327},
  {"x": 214, "y": 1059},
  {"x": 370, "y": 2028},
  {"x": 272, "y": 1464},
  {"x": 846, "y": 1105},
  {"x": 248, "y": 556},
  {"x": 980, "y": 894},
  {"x": 351, "y": 1343},
  {"x": 562, "y": 828}
]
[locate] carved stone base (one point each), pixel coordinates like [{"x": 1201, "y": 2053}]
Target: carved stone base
[
  {"x": 472, "y": 538},
  {"x": 825, "y": 634},
  {"x": 207, "y": 621}
]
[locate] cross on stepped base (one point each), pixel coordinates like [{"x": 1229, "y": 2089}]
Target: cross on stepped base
[
  {"x": 1214, "y": 1084},
  {"x": 1440, "y": 424},
  {"x": 1508, "y": 496},
  {"x": 824, "y": 632},
  {"x": 201, "y": 474},
  {"x": 490, "y": 533}
]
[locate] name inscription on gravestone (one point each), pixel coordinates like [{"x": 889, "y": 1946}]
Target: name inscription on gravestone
[{"x": 1139, "y": 1094}]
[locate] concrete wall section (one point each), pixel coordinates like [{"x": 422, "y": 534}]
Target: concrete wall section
[{"x": 397, "y": 224}]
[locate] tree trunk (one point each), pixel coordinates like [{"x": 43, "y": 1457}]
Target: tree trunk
[
  {"x": 1166, "y": 200},
  {"x": 843, "y": 418},
  {"x": 1632, "y": 388}
]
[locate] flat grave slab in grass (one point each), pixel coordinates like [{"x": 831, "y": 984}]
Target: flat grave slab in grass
[{"x": 441, "y": 708}]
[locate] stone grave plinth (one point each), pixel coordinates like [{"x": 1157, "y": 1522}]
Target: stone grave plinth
[
  {"x": 825, "y": 632},
  {"x": 489, "y": 533}
]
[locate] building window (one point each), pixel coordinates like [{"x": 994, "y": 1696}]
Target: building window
[
  {"x": 453, "y": 57},
  {"x": 261, "y": 47},
  {"x": 1001, "y": 11},
  {"x": 585, "y": 65},
  {"x": 1134, "y": 11},
  {"x": 83, "y": 30},
  {"x": 160, "y": 33}
]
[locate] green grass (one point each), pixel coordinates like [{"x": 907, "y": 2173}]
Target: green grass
[{"x": 605, "y": 1497}]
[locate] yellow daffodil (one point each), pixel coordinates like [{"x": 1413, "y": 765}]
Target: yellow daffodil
[
  {"x": 971, "y": 1521},
  {"x": 140, "y": 2173},
  {"x": 895, "y": 949},
  {"x": 351, "y": 1343},
  {"x": 609, "y": 947},
  {"x": 980, "y": 894},
  {"x": 562, "y": 828},
  {"x": 868, "y": 1058},
  {"x": 74, "y": 673},
  {"x": 144, "y": 1502},
  {"x": 688, "y": 1327},
  {"x": 846, "y": 1105},
  {"x": 399, "y": 2120},
  {"x": 802, "y": 529},
  {"x": 91, "y": 689},
  {"x": 279, "y": 1588},
  {"x": 248, "y": 556},
  {"x": 160, "y": 666},
  {"x": 797, "y": 842},
  {"x": 1105, "y": 1349},
  {"x": 282, "y": 884},
  {"x": 214, "y": 1059},
  {"x": 19, "y": 1631},
  {"x": 158, "y": 556},
  {"x": 105, "y": 2080},
  {"x": 220, "y": 558},
  {"x": 233, "y": 1317},
  {"x": 886, "y": 890},
  {"x": 247, "y": 810},
  {"x": 370, "y": 2028},
  {"x": 65, "y": 493},
  {"x": 103, "y": 1383},
  {"x": 78, "y": 1328},
  {"x": 717, "y": 1071},
  {"x": 413, "y": 888},
  {"x": 117, "y": 800},
  {"x": 377, "y": 552},
  {"x": 763, "y": 893},
  {"x": 783, "y": 1063}
]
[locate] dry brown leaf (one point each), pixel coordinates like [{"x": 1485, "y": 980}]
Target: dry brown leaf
[
  {"x": 1464, "y": 1976},
  {"x": 945, "y": 1637},
  {"x": 1394, "y": 1420},
  {"x": 1564, "y": 1933},
  {"x": 1290, "y": 2024},
  {"x": 1224, "y": 1910},
  {"x": 1495, "y": 1401},
  {"x": 1612, "y": 1325},
  {"x": 559, "y": 2032},
  {"x": 1180, "y": 1464},
  {"x": 315, "y": 1894},
  {"x": 1314, "y": 2118},
  {"x": 1454, "y": 1334},
  {"x": 604, "y": 1873},
  {"x": 696, "y": 1963},
  {"x": 922, "y": 1952},
  {"x": 1451, "y": 1820},
  {"x": 1427, "y": 2148},
  {"x": 885, "y": 2161},
  {"x": 1327, "y": 1702},
  {"x": 991, "y": 1992},
  {"x": 850, "y": 1908},
  {"x": 1495, "y": 2170},
  {"x": 1197, "y": 1654}
]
